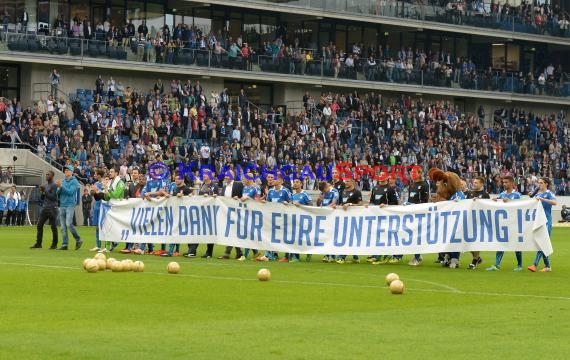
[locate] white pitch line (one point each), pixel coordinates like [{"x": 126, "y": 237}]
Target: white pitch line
[
  {"x": 451, "y": 290},
  {"x": 41, "y": 266}
]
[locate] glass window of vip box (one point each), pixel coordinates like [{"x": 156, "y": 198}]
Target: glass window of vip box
[
  {"x": 9, "y": 81},
  {"x": 11, "y": 13},
  {"x": 155, "y": 18},
  {"x": 136, "y": 12},
  {"x": 79, "y": 11}
]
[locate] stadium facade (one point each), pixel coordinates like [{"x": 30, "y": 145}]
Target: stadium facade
[{"x": 476, "y": 53}]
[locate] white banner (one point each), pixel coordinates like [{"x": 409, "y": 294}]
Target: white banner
[{"x": 467, "y": 225}]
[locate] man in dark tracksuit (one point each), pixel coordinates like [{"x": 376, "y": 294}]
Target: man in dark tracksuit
[{"x": 49, "y": 211}]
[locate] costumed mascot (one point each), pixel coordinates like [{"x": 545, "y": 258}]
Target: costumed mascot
[{"x": 448, "y": 188}]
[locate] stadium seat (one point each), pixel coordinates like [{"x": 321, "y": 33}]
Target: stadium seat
[
  {"x": 22, "y": 44},
  {"x": 121, "y": 54},
  {"x": 93, "y": 50},
  {"x": 102, "y": 48},
  {"x": 61, "y": 47},
  {"x": 13, "y": 44},
  {"x": 32, "y": 45},
  {"x": 74, "y": 50},
  {"x": 112, "y": 52}
]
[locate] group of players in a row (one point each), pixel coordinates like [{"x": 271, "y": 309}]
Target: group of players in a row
[{"x": 334, "y": 194}]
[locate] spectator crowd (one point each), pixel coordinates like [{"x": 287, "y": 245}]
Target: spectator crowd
[{"x": 181, "y": 121}]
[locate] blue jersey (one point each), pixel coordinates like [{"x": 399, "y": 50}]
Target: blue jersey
[
  {"x": 547, "y": 207},
  {"x": 172, "y": 188},
  {"x": 279, "y": 196},
  {"x": 2, "y": 203},
  {"x": 22, "y": 205},
  {"x": 513, "y": 195},
  {"x": 153, "y": 185},
  {"x": 11, "y": 204},
  {"x": 458, "y": 196},
  {"x": 302, "y": 198},
  {"x": 251, "y": 191},
  {"x": 330, "y": 197}
]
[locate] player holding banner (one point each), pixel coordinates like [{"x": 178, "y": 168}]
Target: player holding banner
[
  {"x": 329, "y": 197},
  {"x": 97, "y": 188},
  {"x": 418, "y": 193},
  {"x": 251, "y": 191},
  {"x": 300, "y": 197},
  {"x": 547, "y": 199},
  {"x": 114, "y": 189},
  {"x": 507, "y": 195},
  {"x": 478, "y": 192},
  {"x": 277, "y": 194},
  {"x": 350, "y": 197},
  {"x": 179, "y": 189},
  {"x": 381, "y": 195}
]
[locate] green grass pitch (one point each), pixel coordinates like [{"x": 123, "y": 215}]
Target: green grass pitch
[{"x": 50, "y": 308}]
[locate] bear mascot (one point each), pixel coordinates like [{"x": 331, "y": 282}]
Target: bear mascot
[{"x": 448, "y": 188}]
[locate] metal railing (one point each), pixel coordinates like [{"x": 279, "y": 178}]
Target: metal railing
[
  {"x": 479, "y": 15},
  {"x": 383, "y": 71},
  {"x": 46, "y": 89},
  {"x": 33, "y": 149}
]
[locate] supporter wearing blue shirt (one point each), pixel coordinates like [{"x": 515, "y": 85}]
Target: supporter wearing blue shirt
[
  {"x": 67, "y": 191},
  {"x": 507, "y": 195},
  {"x": 329, "y": 197},
  {"x": 548, "y": 199}
]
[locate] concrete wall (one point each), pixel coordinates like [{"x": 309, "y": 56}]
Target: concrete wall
[{"x": 35, "y": 168}]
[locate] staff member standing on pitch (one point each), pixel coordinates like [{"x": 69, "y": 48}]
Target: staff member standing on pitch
[
  {"x": 48, "y": 196},
  {"x": 67, "y": 191}
]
